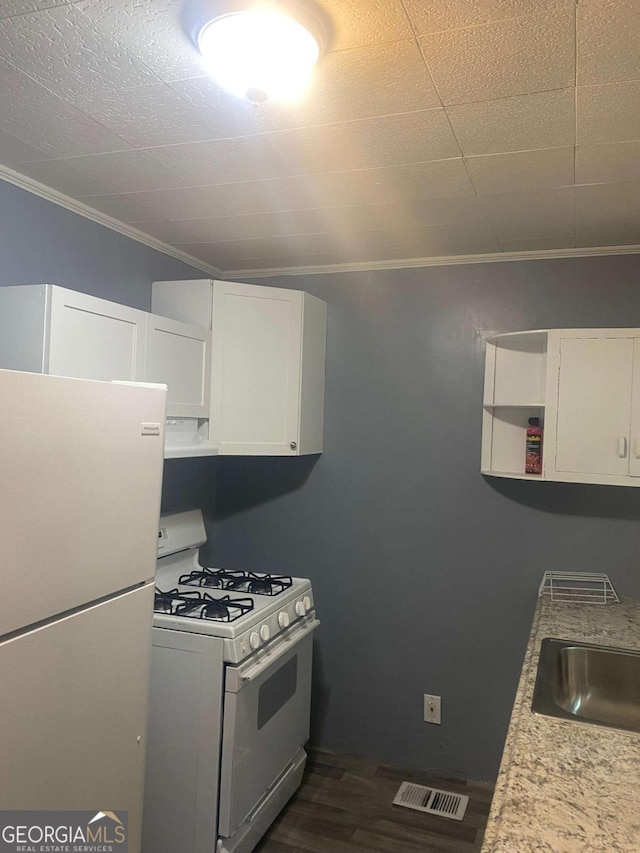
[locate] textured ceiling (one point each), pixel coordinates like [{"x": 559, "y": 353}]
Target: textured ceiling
[{"x": 450, "y": 127}]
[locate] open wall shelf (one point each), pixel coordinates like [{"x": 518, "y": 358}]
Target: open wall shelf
[
  {"x": 583, "y": 385},
  {"x": 516, "y": 373}
]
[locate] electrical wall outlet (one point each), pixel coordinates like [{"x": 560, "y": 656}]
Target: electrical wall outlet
[{"x": 432, "y": 709}]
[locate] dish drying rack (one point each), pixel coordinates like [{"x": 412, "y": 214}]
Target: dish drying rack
[{"x": 579, "y": 587}]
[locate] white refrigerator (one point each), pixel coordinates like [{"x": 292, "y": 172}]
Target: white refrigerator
[{"x": 80, "y": 485}]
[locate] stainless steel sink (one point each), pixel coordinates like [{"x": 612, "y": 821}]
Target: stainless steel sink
[{"x": 590, "y": 684}]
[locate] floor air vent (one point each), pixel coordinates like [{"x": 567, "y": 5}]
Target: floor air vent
[{"x": 431, "y": 800}]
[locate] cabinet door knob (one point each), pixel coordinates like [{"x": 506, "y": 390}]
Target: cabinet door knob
[
  {"x": 622, "y": 446},
  {"x": 293, "y": 445},
  {"x": 638, "y": 447}
]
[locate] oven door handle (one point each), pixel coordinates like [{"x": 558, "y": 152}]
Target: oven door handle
[{"x": 268, "y": 658}]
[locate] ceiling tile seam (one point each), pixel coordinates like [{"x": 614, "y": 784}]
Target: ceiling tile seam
[
  {"x": 455, "y": 136},
  {"x": 273, "y": 133},
  {"x": 577, "y": 53},
  {"x": 407, "y": 16},
  {"x": 35, "y": 11},
  {"x": 293, "y": 212},
  {"x": 520, "y": 192},
  {"x": 24, "y": 142},
  {"x": 157, "y": 80},
  {"x": 38, "y": 13},
  {"x": 416, "y": 41},
  {"x": 584, "y": 146},
  {"x": 606, "y": 183},
  {"x": 437, "y": 91},
  {"x": 304, "y": 210},
  {"x": 498, "y": 240},
  {"x": 110, "y": 37},
  {"x": 286, "y": 237},
  {"x": 603, "y": 83},
  {"x": 364, "y": 46},
  {"x": 624, "y": 82},
  {"x": 497, "y": 22},
  {"x": 299, "y": 210},
  {"x": 517, "y": 151},
  {"x": 591, "y": 146},
  {"x": 286, "y": 177},
  {"x": 510, "y": 97},
  {"x": 330, "y": 207},
  {"x": 231, "y": 215},
  {"x": 522, "y": 94},
  {"x": 88, "y": 157},
  {"x": 293, "y": 128},
  {"x": 100, "y": 180},
  {"x": 68, "y": 103},
  {"x": 169, "y": 82},
  {"x": 239, "y": 240}
]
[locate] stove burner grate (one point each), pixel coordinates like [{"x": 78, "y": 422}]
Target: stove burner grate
[
  {"x": 197, "y": 605},
  {"x": 231, "y": 579},
  {"x": 163, "y": 602}
]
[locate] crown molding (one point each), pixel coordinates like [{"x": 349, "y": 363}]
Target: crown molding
[
  {"x": 444, "y": 260},
  {"x": 75, "y": 206}
]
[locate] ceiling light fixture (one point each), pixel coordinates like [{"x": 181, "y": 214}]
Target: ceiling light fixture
[{"x": 261, "y": 50}]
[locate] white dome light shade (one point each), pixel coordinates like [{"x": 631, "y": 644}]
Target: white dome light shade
[{"x": 259, "y": 54}]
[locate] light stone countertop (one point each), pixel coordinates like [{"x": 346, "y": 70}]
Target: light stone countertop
[{"x": 567, "y": 787}]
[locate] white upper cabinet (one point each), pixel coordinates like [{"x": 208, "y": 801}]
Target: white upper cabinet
[
  {"x": 515, "y": 390},
  {"x": 634, "y": 436},
  {"x": 594, "y": 405},
  {"x": 93, "y": 338},
  {"x": 583, "y": 385},
  {"x": 50, "y": 329},
  {"x": 256, "y": 369},
  {"x": 268, "y": 363},
  {"x": 177, "y": 355}
]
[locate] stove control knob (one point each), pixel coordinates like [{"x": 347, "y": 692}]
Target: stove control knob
[
  {"x": 300, "y": 608},
  {"x": 307, "y": 603},
  {"x": 254, "y": 640},
  {"x": 283, "y": 619},
  {"x": 265, "y": 633}
]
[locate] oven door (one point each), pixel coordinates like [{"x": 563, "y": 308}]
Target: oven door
[{"x": 266, "y": 721}]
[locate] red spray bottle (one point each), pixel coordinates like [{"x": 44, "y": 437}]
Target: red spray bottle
[{"x": 533, "y": 455}]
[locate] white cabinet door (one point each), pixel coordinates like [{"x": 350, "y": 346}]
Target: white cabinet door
[
  {"x": 594, "y": 405},
  {"x": 178, "y": 356},
  {"x": 267, "y": 362},
  {"x": 256, "y": 362},
  {"x": 634, "y": 438},
  {"x": 93, "y": 338}
]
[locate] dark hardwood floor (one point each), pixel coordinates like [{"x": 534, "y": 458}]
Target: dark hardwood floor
[{"x": 344, "y": 806}]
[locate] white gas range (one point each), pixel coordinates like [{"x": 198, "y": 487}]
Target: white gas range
[{"x": 230, "y": 698}]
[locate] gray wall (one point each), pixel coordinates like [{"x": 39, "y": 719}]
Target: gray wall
[
  {"x": 42, "y": 243},
  {"x": 425, "y": 573}
]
